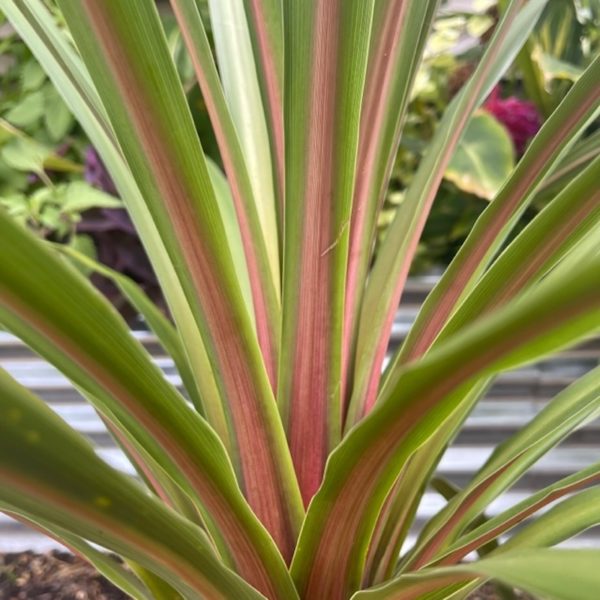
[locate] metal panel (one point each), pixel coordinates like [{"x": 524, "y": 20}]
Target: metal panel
[{"x": 512, "y": 401}]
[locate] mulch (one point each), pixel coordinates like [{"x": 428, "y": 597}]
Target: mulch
[
  {"x": 52, "y": 576},
  {"x": 62, "y": 576}
]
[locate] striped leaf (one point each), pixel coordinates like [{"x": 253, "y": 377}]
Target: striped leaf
[
  {"x": 124, "y": 47},
  {"x": 327, "y": 46},
  {"x": 52, "y": 48},
  {"x": 265, "y": 23},
  {"x": 156, "y": 320},
  {"x": 264, "y": 269},
  {"x": 505, "y": 521},
  {"x": 576, "y": 405},
  {"x": 339, "y": 523},
  {"x": 104, "y": 563},
  {"x": 400, "y": 30},
  {"x": 238, "y": 70},
  {"x": 390, "y": 270},
  {"x": 564, "y": 223},
  {"x": 395, "y": 522},
  {"x": 63, "y": 318},
  {"x": 552, "y": 574},
  {"x": 49, "y": 472},
  {"x": 570, "y": 119},
  {"x": 562, "y": 522}
]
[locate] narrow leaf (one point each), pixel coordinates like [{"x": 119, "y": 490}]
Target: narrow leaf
[
  {"x": 391, "y": 267},
  {"x": 327, "y": 45},
  {"x": 156, "y": 320},
  {"x": 362, "y": 470},
  {"x": 62, "y": 317},
  {"x": 238, "y": 70},
  {"x": 552, "y": 142},
  {"x": 265, "y": 23},
  {"x": 52, "y": 49},
  {"x": 107, "y": 565},
  {"x": 552, "y": 574},
  {"x": 264, "y": 277},
  {"x": 400, "y": 30},
  {"x": 576, "y": 405},
  {"x": 124, "y": 47},
  {"x": 573, "y": 215},
  {"x": 50, "y": 472},
  {"x": 500, "y": 524},
  {"x": 562, "y": 522}
]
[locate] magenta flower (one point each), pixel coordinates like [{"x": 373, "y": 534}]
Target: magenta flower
[{"x": 520, "y": 117}]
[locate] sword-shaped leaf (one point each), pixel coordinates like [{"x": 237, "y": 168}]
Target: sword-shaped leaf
[
  {"x": 576, "y": 405},
  {"x": 552, "y": 574},
  {"x": 391, "y": 267},
  {"x": 124, "y": 47},
  {"x": 553, "y": 141},
  {"x": 263, "y": 269},
  {"x": 400, "y": 31},
  {"x": 62, "y": 317},
  {"x": 50, "y": 472},
  {"x": 339, "y": 523},
  {"x": 327, "y": 43}
]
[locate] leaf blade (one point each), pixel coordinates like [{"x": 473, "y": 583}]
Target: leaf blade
[
  {"x": 326, "y": 59},
  {"x": 125, "y": 49},
  {"x": 340, "y": 520},
  {"x": 49, "y": 471}
]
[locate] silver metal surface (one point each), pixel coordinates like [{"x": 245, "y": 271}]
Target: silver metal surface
[{"x": 513, "y": 400}]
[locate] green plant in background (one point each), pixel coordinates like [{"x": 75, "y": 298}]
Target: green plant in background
[
  {"x": 46, "y": 161},
  {"x": 564, "y": 42},
  {"x": 293, "y": 467},
  {"x": 485, "y": 159},
  {"x": 41, "y": 171}
]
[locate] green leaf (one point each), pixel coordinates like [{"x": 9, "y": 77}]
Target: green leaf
[
  {"x": 32, "y": 76},
  {"x": 398, "y": 37},
  {"x": 106, "y": 564},
  {"x": 54, "y": 50},
  {"x": 62, "y": 317},
  {"x": 155, "y": 130},
  {"x": 242, "y": 91},
  {"x": 28, "y": 111},
  {"x": 155, "y": 319},
  {"x": 80, "y": 196},
  {"x": 483, "y": 159},
  {"x": 388, "y": 275},
  {"x": 57, "y": 116},
  {"x": 50, "y": 472},
  {"x": 339, "y": 523},
  {"x": 265, "y": 285},
  {"x": 24, "y": 155},
  {"x": 265, "y": 24},
  {"x": 326, "y": 60},
  {"x": 551, "y": 574},
  {"x": 553, "y": 141},
  {"x": 553, "y": 68},
  {"x": 498, "y": 525}
]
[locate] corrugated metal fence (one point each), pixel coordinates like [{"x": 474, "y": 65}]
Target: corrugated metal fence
[{"x": 512, "y": 401}]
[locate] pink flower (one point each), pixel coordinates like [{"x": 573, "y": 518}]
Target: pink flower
[{"x": 520, "y": 117}]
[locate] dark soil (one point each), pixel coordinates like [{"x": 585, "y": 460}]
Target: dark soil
[
  {"x": 53, "y": 576},
  {"x": 62, "y": 576}
]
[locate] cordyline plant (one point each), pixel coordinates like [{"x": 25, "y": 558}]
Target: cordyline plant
[{"x": 292, "y": 468}]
